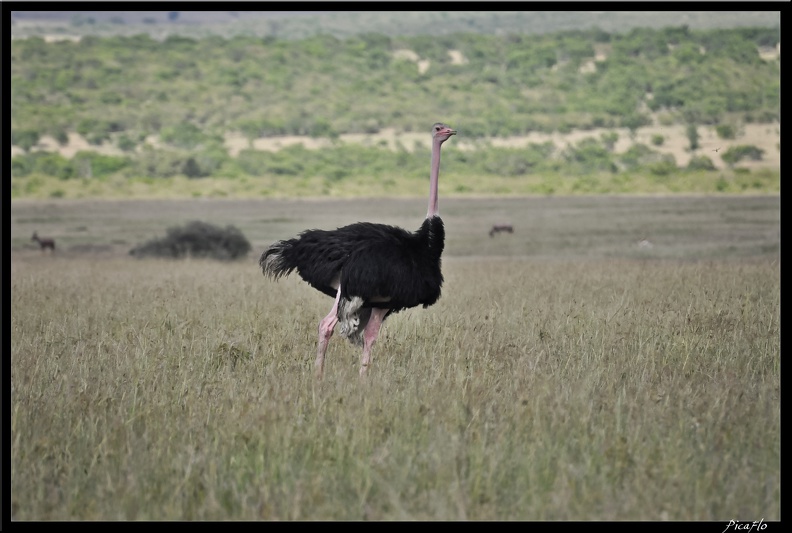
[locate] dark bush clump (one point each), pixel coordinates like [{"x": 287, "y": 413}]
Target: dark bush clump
[
  {"x": 197, "y": 239},
  {"x": 736, "y": 154}
]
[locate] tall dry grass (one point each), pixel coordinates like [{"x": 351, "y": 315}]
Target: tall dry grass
[{"x": 533, "y": 390}]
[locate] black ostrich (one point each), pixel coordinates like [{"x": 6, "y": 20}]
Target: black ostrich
[{"x": 372, "y": 270}]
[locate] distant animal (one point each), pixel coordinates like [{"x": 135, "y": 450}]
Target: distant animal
[
  {"x": 716, "y": 149},
  {"x": 43, "y": 242},
  {"x": 372, "y": 270},
  {"x": 645, "y": 243},
  {"x": 498, "y": 228}
]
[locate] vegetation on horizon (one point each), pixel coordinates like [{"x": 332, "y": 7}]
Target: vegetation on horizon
[
  {"x": 321, "y": 86},
  {"x": 190, "y": 93},
  {"x": 665, "y": 179}
]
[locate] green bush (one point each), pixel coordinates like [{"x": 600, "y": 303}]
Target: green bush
[
  {"x": 693, "y": 136},
  {"x": 184, "y": 135},
  {"x": 255, "y": 128},
  {"x": 192, "y": 169},
  {"x": 212, "y": 157},
  {"x": 93, "y": 164},
  {"x": 609, "y": 140},
  {"x": 61, "y": 136},
  {"x": 665, "y": 167},
  {"x": 126, "y": 143},
  {"x": 25, "y": 139},
  {"x": 700, "y": 163},
  {"x": 498, "y": 161},
  {"x": 87, "y": 125},
  {"x": 199, "y": 240},
  {"x": 287, "y": 162},
  {"x": 635, "y": 121},
  {"x": 155, "y": 163},
  {"x": 83, "y": 164},
  {"x": 47, "y": 163},
  {"x": 589, "y": 155},
  {"x": 725, "y": 131},
  {"x": 738, "y": 153}
]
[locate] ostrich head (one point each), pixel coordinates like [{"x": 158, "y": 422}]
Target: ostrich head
[{"x": 441, "y": 133}]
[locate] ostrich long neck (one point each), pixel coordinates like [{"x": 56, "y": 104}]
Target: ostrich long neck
[{"x": 433, "y": 209}]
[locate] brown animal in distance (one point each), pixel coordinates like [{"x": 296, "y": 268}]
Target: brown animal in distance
[
  {"x": 498, "y": 228},
  {"x": 43, "y": 242}
]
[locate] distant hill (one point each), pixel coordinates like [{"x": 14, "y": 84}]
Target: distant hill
[
  {"x": 317, "y": 102},
  {"x": 141, "y": 17},
  {"x": 301, "y": 24}
]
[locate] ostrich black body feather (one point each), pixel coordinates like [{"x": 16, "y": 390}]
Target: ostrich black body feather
[{"x": 386, "y": 266}]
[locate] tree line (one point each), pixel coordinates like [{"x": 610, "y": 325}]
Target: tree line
[{"x": 191, "y": 92}]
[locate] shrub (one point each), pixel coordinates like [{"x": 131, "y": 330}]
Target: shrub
[
  {"x": 60, "y": 135},
  {"x": 635, "y": 121},
  {"x": 637, "y": 155},
  {"x": 725, "y": 131},
  {"x": 665, "y": 167},
  {"x": 192, "y": 169},
  {"x": 609, "y": 140},
  {"x": 700, "y": 163},
  {"x": 255, "y": 128},
  {"x": 738, "y": 153},
  {"x": 184, "y": 135},
  {"x": 25, "y": 139},
  {"x": 210, "y": 159},
  {"x": 126, "y": 143},
  {"x": 588, "y": 155},
  {"x": 88, "y": 125},
  {"x": 290, "y": 161},
  {"x": 156, "y": 163},
  {"x": 197, "y": 239},
  {"x": 693, "y": 137},
  {"x": 47, "y": 163},
  {"x": 93, "y": 164}
]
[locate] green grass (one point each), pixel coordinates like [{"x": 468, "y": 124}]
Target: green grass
[
  {"x": 579, "y": 381},
  {"x": 41, "y": 187}
]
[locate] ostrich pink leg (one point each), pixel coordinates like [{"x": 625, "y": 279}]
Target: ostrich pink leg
[
  {"x": 326, "y": 327},
  {"x": 370, "y": 335}
]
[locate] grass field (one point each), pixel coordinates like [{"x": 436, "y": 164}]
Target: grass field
[{"x": 566, "y": 373}]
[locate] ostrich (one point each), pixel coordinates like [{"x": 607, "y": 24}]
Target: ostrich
[
  {"x": 372, "y": 270},
  {"x": 44, "y": 243}
]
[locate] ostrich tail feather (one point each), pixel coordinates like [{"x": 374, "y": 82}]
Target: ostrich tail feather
[{"x": 273, "y": 261}]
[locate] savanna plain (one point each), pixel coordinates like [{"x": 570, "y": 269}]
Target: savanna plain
[{"x": 615, "y": 358}]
